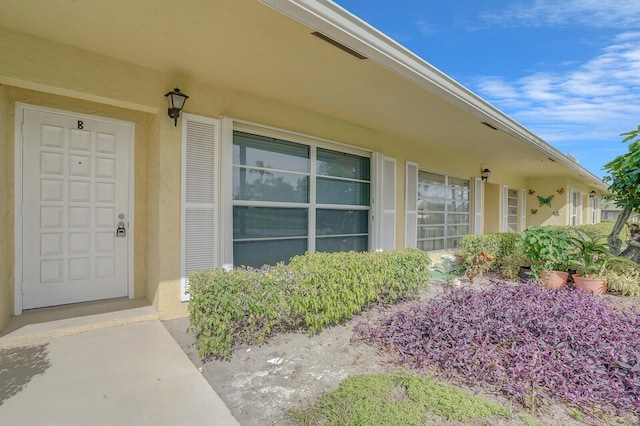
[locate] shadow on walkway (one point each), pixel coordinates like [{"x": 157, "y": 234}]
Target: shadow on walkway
[{"x": 18, "y": 365}]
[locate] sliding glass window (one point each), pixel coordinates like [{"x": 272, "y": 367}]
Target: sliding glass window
[
  {"x": 278, "y": 188},
  {"x": 443, "y": 211}
]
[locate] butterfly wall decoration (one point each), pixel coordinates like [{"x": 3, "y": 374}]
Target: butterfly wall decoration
[
  {"x": 534, "y": 211},
  {"x": 556, "y": 213},
  {"x": 531, "y": 192},
  {"x": 560, "y": 191},
  {"x": 545, "y": 201}
]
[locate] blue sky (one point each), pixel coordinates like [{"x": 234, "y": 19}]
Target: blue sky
[{"x": 568, "y": 70}]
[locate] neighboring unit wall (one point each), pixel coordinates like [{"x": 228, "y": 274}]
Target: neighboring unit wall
[
  {"x": 6, "y": 212},
  {"x": 492, "y": 208},
  {"x": 553, "y": 209}
]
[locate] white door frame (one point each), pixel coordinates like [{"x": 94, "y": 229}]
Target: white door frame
[{"x": 18, "y": 183}]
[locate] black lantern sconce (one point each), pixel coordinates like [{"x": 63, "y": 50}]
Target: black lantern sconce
[
  {"x": 485, "y": 174},
  {"x": 176, "y": 103},
  {"x": 592, "y": 195}
]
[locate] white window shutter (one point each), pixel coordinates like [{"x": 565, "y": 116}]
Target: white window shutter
[
  {"x": 377, "y": 179},
  {"x": 383, "y": 226},
  {"x": 389, "y": 204},
  {"x": 575, "y": 207},
  {"x": 505, "y": 208},
  {"x": 411, "y": 205},
  {"x": 580, "y": 208},
  {"x": 523, "y": 210},
  {"x": 478, "y": 202},
  {"x": 199, "y": 218}
]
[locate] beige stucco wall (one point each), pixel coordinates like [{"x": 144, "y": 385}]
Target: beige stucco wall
[
  {"x": 42, "y": 72},
  {"x": 71, "y": 79},
  {"x": 546, "y": 187},
  {"x": 492, "y": 207},
  {"x": 6, "y": 230}
]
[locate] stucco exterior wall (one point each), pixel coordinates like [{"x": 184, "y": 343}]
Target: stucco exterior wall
[
  {"x": 6, "y": 210},
  {"x": 42, "y": 72},
  {"x": 547, "y": 187},
  {"x": 492, "y": 207}
]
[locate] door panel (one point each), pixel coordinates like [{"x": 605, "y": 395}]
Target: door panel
[{"x": 75, "y": 182}]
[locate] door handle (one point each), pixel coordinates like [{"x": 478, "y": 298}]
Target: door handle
[{"x": 121, "y": 231}]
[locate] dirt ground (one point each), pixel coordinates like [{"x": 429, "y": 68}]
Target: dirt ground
[{"x": 260, "y": 383}]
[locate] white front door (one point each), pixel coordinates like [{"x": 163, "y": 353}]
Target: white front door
[{"x": 75, "y": 196}]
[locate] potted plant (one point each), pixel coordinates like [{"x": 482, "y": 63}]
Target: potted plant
[
  {"x": 592, "y": 257},
  {"x": 548, "y": 250}
]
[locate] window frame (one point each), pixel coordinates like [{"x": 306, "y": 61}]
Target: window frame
[
  {"x": 512, "y": 220},
  {"x": 312, "y": 206},
  {"x": 575, "y": 209},
  {"x": 445, "y": 238}
]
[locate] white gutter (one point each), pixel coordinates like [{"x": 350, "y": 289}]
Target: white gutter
[{"x": 342, "y": 26}]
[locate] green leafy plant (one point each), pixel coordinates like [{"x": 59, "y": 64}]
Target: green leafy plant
[
  {"x": 592, "y": 253},
  {"x": 624, "y": 278},
  {"x": 547, "y": 247},
  {"x": 511, "y": 264},
  {"x": 624, "y": 183},
  {"x": 501, "y": 248},
  {"x": 313, "y": 291}
]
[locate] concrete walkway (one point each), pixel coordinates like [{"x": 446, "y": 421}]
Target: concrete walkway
[{"x": 121, "y": 368}]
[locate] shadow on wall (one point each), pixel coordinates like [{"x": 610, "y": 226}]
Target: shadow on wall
[{"x": 18, "y": 366}]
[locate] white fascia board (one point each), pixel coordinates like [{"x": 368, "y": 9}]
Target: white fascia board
[{"x": 342, "y": 26}]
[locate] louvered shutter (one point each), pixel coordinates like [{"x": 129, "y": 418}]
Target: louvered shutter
[
  {"x": 200, "y": 146},
  {"x": 389, "y": 204},
  {"x": 411, "y": 205},
  {"x": 580, "y": 209},
  {"x": 505, "y": 208},
  {"x": 478, "y": 195},
  {"x": 523, "y": 210}
]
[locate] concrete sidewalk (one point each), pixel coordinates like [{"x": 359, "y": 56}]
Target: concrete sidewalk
[{"x": 103, "y": 370}]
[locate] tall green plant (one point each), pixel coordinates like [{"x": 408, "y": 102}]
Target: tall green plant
[
  {"x": 592, "y": 253},
  {"x": 547, "y": 247},
  {"x": 624, "y": 183}
]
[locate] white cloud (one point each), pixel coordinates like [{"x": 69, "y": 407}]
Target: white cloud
[
  {"x": 581, "y": 110},
  {"x": 425, "y": 28},
  {"x": 593, "y": 13}
]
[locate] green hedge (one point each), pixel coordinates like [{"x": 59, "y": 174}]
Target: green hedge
[
  {"x": 498, "y": 246},
  {"x": 313, "y": 291},
  {"x": 507, "y": 257}
]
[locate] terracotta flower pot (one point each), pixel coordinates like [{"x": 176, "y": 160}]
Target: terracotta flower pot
[
  {"x": 554, "y": 280},
  {"x": 591, "y": 285}
]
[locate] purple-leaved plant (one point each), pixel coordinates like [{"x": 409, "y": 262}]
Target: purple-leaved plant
[{"x": 533, "y": 344}]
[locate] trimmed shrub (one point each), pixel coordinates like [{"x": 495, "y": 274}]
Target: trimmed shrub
[
  {"x": 597, "y": 229},
  {"x": 498, "y": 247},
  {"x": 313, "y": 291}
]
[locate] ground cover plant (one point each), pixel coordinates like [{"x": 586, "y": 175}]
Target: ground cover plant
[
  {"x": 312, "y": 291},
  {"x": 396, "y": 399},
  {"x": 534, "y": 345}
]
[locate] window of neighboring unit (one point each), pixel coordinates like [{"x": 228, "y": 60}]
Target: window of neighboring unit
[
  {"x": 443, "y": 211},
  {"x": 512, "y": 210},
  {"x": 575, "y": 214},
  {"x": 281, "y": 188}
]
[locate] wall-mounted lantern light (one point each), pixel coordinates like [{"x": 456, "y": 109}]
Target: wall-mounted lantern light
[
  {"x": 485, "y": 174},
  {"x": 176, "y": 103},
  {"x": 592, "y": 195}
]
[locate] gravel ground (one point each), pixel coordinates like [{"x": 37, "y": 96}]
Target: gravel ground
[{"x": 260, "y": 383}]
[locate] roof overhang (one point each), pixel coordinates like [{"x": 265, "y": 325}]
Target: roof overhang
[
  {"x": 342, "y": 26},
  {"x": 266, "y": 49}
]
